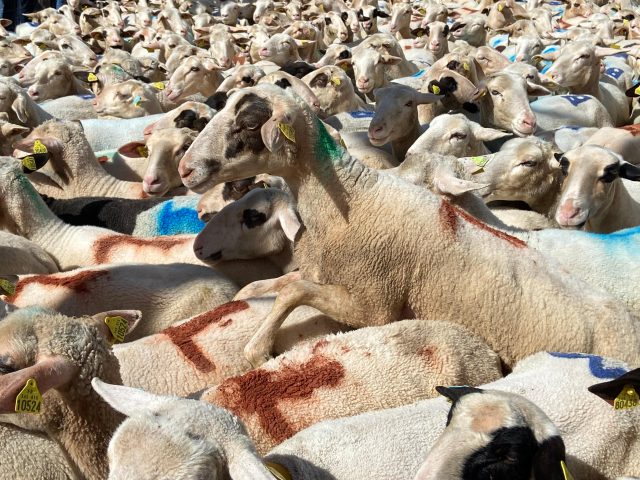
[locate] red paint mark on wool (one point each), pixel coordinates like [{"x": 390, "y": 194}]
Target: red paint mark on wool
[
  {"x": 260, "y": 392},
  {"x": 634, "y": 129},
  {"x": 103, "y": 246},
  {"x": 449, "y": 218},
  {"x": 182, "y": 335},
  {"x": 77, "y": 283},
  {"x": 103, "y": 159}
]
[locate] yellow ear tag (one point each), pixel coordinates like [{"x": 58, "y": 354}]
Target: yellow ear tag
[
  {"x": 625, "y": 22},
  {"x": 29, "y": 399},
  {"x": 344, "y": 67},
  {"x": 336, "y": 81},
  {"x": 42, "y": 46},
  {"x": 321, "y": 8},
  {"x": 344, "y": 145},
  {"x": 422, "y": 11},
  {"x": 92, "y": 77},
  {"x": 420, "y": 34},
  {"x": 118, "y": 327},
  {"x": 628, "y": 398},
  {"x": 158, "y": 85},
  {"x": 278, "y": 471},
  {"x": 38, "y": 147},
  {"x": 637, "y": 90},
  {"x": 565, "y": 471},
  {"x": 480, "y": 161},
  {"x": 202, "y": 43},
  {"x": 29, "y": 162},
  {"x": 500, "y": 7},
  {"x": 615, "y": 45},
  {"x": 288, "y": 131},
  {"x": 7, "y": 286},
  {"x": 465, "y": 65},
  {"x": 142, "y": 150},
  {"x": 435, "y": 89}
]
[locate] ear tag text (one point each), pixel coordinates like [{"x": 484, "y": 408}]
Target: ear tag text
[
  {"x": 38, "y": 147},
  {"x": 29, "y": 400},
  {"x": 288, "y": 131},
  {"x": 628, "y": 398},
  {"x": 118, "y": 327}
]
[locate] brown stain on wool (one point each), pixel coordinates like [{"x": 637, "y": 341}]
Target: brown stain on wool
[
  {"x": 103, "y": 246},
  {"x": 260, "y": 392},
  {"x": 77, "y": 283},
  {"x": 182, "y": 335},
  {"x": 449, "y": 218}
]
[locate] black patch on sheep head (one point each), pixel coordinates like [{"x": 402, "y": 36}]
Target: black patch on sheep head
[
  {"x": 298, "y": 69},
  {"x": 237, "y": 189},
  {"x": 283, "y": 83},
  {"x": 361, "y": 17},
  {"x": 448, "y": 85},
  {"x": 453, "y": 65},
  {"x": 610, "y": 390},
  {"x": 446, "y": 30},
  {"x": 344, "y": 55},
  {"x": 33, "y": 162},
  {"x": 457, "y": 26},
  {"x": 380, "y": 14},
  {"x": 628, "y": 171},
  {"x": 455, "y": 394},
  {"x": 321, "y": 80},
  {"x": 253, "y": 218},
  {"x": 513, "y": 454},
  {"x": 252, "y": 112},
  {"x": 189, "y": 119},
  {"x": 344, "y": 16},
  {"x": 217, "y": 101},
  {"x": 248, "y": 81}
]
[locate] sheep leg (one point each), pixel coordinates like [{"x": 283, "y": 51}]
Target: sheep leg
[
  {"x": 263, "y": 287},
  {"x": 332, "y": 300}
]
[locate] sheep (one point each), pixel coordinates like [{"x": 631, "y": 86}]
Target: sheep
[
  {"x": 247, "y": 229},
  {"x": 445, "y": 227},
  {"x": 21, "y": 108},
  {"x": 150, "y": 217},
  {"x": 55, "y": 79},
  {"x": 455, "y": 134},
  {"x": 72, "y": 169},
  {"x": 291, "y": 83},
  {"x": 592, "y": 194},
  {"x": 22, "y": 256},
  {"x": 242, "y": 76},
  {"x": 220, "y": 334},
  {"x": 390, "y": 443},
  {"x": 164, "y": 293},
  {"x": 335, "y": 30},
  {"x": 400, "y": 23},
  {"x": 334, "y": 53},
  {"x": 280, "y": 49},
  {"x": 9, "y": 133},
  {"x": 107, "y": 134},
  {"x": 396, "y": 118},
  {"x": 128, "y": 99},
  {"x": 26, "y": 214},
  {"x": 578, "y": 68},
  {"x": 194, "y": 76},
  {"x": 61, "y": 355},
  {"x": 334, "y": 90},
  {"x": 471, "y": 29}
]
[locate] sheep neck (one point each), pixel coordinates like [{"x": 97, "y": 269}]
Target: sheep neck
[
  {"x": 85, "y": 425},
  {"x": 591, "y": 84},
  {"x": 620, "y": 204},
  {"x": 324, "y": 180},
  {"x": 284, "y": 259},
  {"x": 400, "y": 145}
]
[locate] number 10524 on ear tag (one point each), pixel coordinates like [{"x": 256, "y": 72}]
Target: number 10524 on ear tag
[{"x": 29, "y": 399}]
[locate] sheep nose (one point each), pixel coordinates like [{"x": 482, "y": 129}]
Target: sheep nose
[
  {"x": 529, "y": 122},
  {"x": 183, "y": 170},
  {"x": 151, "y": 180}
]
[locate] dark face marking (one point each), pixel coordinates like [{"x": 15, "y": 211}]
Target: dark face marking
[
  {"x": 217, "y": 101},
  {"x": 344, "y": 54},
  {"x": 319, "y": 81},
  {"x": 508, "y": 456},
  {"x": 185, "y": 119},
  {"x": 298, "y": 69},
  {"x": 253, "y": 218},
  {"x": 546, "y": 463},
  {"x": 237, "y": 189},
  {"x": 248, "y": 80},
  {"x": 453, "y": 64},
  {"x": 610, "y": 173},
  {"x": 251, "y": 113},
  {"x": 283, "y": 83}
]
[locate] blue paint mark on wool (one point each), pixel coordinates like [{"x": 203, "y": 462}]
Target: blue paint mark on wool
[
  {"x": 362, "y": 114},
  {"x": 576, "y": 100},
  {"x": 597, "y": 365},
  {"x": 178, "y": 217},
  {"x": 614, "y": 72},
  {"x": 628, "y": 235}
]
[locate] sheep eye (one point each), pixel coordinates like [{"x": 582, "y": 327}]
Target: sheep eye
[
  {"x": 458, "y": 135},
  {"x": 64, "y": 46},
  {"x": 495, "y": 92},
  {"x": 564, "y": 166},
  {"x": 173, "y": 45},
  {"x": 529, "y": 163},
  {"x": 409, "y": 104},
  {"x": 584, "y": 56},
  {"x": 530, "y": 77},
  {"x": 195, "y": 69},
  {"x": 6, "y": 368},
  {"x": 610, "y": 173}
]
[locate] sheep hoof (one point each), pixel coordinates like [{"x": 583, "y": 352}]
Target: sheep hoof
[{"x": 256, "y": 356}]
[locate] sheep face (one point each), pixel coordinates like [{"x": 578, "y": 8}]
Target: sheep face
[
  {"x": 259, "y": 130},
  {"x": 189, "y": 77},
  {"x": 492, "y": 434},
  {"x": 128, "y": 99},
  {"x": 591, "y": 176},
  {"x": 331, "y": 86},
  {"x": 251, "y": 227},
  {"x": 578, "y": 63},
  {"x": 369, "y": 68},
  {"x": 53, "y": 79}
]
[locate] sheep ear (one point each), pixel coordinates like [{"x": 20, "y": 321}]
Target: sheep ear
[
  {"x": 629, "y": 171},
  {"x": 10, "y": 129},
  {"x": 19, "y": 107},
  {"x": 127, "y": 400},
  {"x": 423, "y": 98},
  {"x": 603, "y": 52},
  {"x": 633, "y": 91},
  {"x": 289, "y": 222},
  {"x": 134, "y": 150},
  {"x": 445, "y": 183},
  {"x": 278, "y": 129},
  {"x": 548, "y": 460},
  {"x": 247, "y": 465},
  {"x": 487, "y": 134},
  {"x": 390, "y": 59},
  {"x": 536, "y": 90},
  {"x": 48, "y": 373},
  {"x": 131, "y": 317},
  {"x": 456, "y": 393}
]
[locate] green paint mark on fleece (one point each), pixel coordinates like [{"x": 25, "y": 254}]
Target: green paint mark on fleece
[{"x": 326, "y": 146}]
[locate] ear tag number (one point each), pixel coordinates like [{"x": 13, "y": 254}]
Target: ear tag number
[
  {"x": 628, "y": 398},
  {"x": 29, "y": 399},
  {"x": 7, "y": 286},
  {"x": 38, "y": 147},
  {"x": 288, "y": 131},
  {"x": 118, "y": 327},
  {"x": 29, "y": 163}
]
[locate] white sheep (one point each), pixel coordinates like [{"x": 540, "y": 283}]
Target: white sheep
[
  {"x": 330, "y": 257},
  {"x": 333, "y": 88},
  {"x": 19, "y": 255}
]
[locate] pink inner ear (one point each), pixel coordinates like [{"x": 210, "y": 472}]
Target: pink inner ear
[
  {"x": 131, "y": 149},
  {"x": 50, "y": 372},
  {"x": 148, "y": 130}
]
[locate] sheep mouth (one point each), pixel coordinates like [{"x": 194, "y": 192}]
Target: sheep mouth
[{"x": 214, "y": 257}]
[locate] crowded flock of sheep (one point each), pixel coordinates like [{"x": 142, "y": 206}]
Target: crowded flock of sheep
[{"x": 320, "y": 240}]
